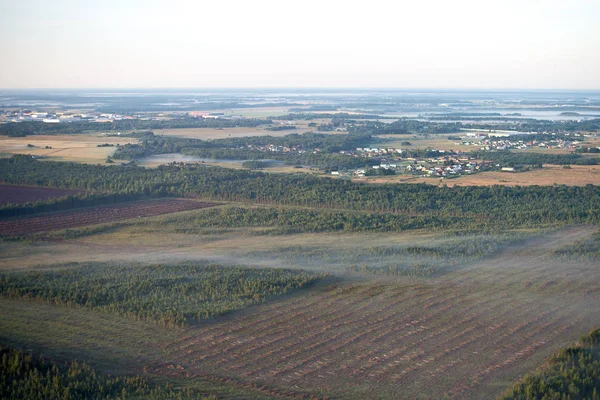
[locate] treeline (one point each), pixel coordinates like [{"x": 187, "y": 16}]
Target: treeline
[
  {"x": 152, "y": 144},
  {"x": 18, "y": 129},
  {"x": 32, "y": 377},
  {"x": 511, "y": 158},
  {"x": 535, "y": 125},
  {"x": 572, "y": 373},
  {"x": 278, "y": 128},
  {"x": 404, "y": 127},
  {"x": 333, "y": 116},
  {"x": 255, "y": 164},
  {"x": 511, "y": 205},
  {"x": 324, "y": 161},
  {"x": 411, "y": 126},
  {"x": 169, "y": 295},
  {"x": 290, "y": 220}
]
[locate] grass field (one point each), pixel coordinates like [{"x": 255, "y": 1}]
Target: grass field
[{"x": 77, "y": 148}]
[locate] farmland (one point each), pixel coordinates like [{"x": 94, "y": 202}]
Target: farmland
[
  {"x": 76, "y": 148},
  {"x": 24, "y": 194},
  {"x": 96, "y": 215}
]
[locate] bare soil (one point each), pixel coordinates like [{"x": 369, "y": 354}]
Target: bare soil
[
  {"x": 24, "y": 194},
  {"x": 97, "y": 215}
]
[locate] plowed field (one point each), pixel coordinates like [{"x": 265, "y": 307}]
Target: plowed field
[
  {"x": 97, "y": 215},
  {"x": 24, "y": 194},
  {"x": 467, "y": 335}
]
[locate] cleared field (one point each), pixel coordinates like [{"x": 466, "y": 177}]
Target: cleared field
[
  {"x": 25, "y": 194},
  {"x": 97, "y": 215},
  {"x": 77, "y": 148},
  {"x": 467, "y": 335},
  {"x": 577, "y": 175}
]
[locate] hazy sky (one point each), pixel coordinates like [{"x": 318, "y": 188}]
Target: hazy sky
[{"x": 264, "y": 43}]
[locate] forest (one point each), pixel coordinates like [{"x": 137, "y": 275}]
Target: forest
[
  {"x": 404, "y": 127},
  {"x": 19, "y": 129},
  {"x": 173, "y": 296},
  {"x": 518, "y": 206},
  {"x": 511, "y": 158},
  {"x": 572, "y": 373},
  {"x": 33, "y": 377}
]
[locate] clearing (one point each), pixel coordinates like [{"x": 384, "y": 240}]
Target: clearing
[{"x": 468, "y": 333}]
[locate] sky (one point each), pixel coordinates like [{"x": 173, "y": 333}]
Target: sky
[{"x": 501, "y": 44}]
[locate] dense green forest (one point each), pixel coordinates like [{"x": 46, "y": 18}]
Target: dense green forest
[
  {"x": 291, "y": 220},
  {"x": 17, "y": 129},
  {"x": 519, "y": 206},
  {"x": 170, "y": 295},
  {"x": 572, "y": 373},
  {"x": 25, "y": 376}
]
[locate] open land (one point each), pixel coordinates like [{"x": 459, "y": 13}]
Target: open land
[{"x": 82, "y": 148}]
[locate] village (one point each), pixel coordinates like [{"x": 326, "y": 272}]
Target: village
[{"x": 506, "y": 143}]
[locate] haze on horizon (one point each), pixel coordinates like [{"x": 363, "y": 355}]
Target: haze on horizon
[{"x": 536, "y": 44}]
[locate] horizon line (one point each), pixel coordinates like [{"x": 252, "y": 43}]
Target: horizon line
[{"x": 305, "y": 88}]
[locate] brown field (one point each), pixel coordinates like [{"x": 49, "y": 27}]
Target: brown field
[
  {"x": 577, "y": 175},
  {"x": 97, "y": 215},
  {"x": 77, "y": 148},
  {"x": 467, "y": 334},
  {"x": 25, "y": 194}
]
